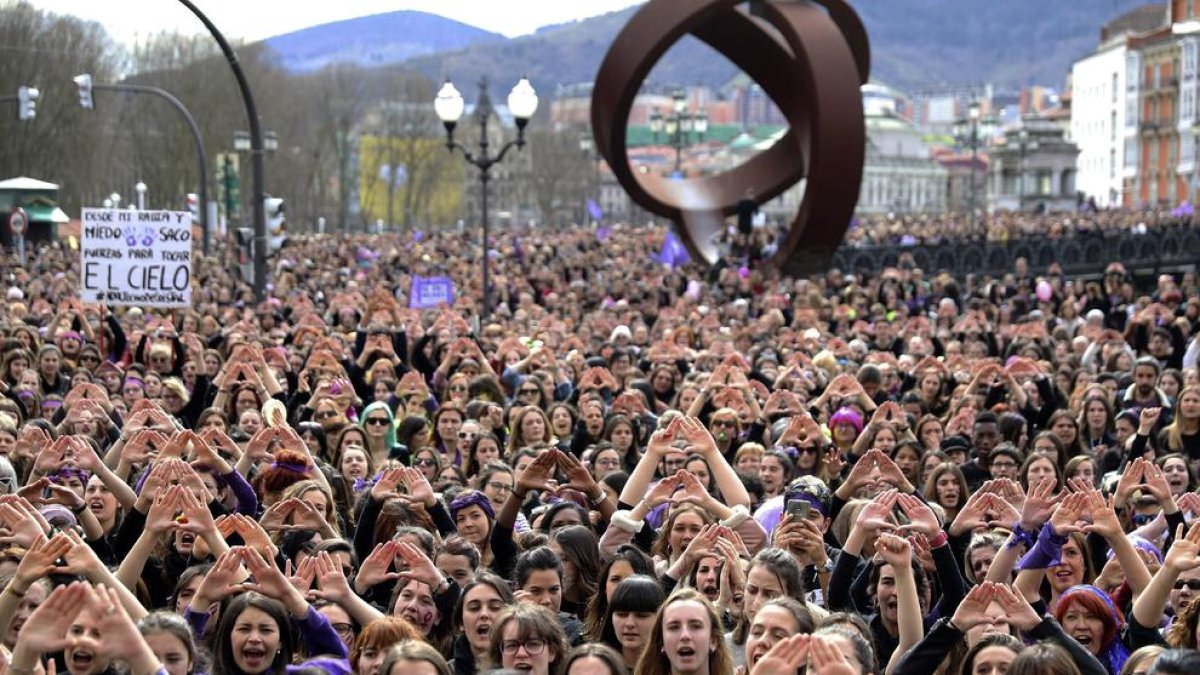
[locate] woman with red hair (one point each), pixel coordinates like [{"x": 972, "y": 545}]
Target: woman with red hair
[{"x": 1089, "y": 615}]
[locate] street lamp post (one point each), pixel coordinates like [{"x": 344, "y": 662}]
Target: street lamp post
[
  {"x": 973, "y": 113},
  {"x": 678, "y": 126},
  {"x": 140, "y": 188},
  {"x": 1026, "y": 143},
  {"x": 449, "y": 105},
  {"x": 256, "y": 160}
]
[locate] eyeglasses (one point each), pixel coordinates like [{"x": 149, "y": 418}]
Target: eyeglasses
[
  {"x": 724, "y": 423},
  {"x": 528, "y": 392},
  {"x": 807, "y": 449},
  {"x": 608, "y": 462},
  {"x": 344, "y": 629},
  {"x": 378, "y": 421},
  {"x": 328, "y": 414},
  {"x": 500, "y": 487},
  {"x": 1192, "y": 584},
  {"x": 1004, "y": 465},
  {"x": 425, "y": 461},
  {"x": 533, "y": 646},
  {"x": 89, "y": 357}
]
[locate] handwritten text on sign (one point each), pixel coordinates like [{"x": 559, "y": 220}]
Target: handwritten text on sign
[{"x": 137, "y": 257}]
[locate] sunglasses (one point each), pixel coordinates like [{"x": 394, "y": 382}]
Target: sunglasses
[
  {"x": 526, "y": 392},
  {"x": 377, "y": 421},
  {"x": 724, "y": 423},
  {"x": 425, "y": 462},
  {"x": 1192, "y": 584},
  {"x": 464, "y": 435},
  {"x": 328, "y": 414}
]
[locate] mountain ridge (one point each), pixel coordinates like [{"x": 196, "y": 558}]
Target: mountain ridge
[{"x": 915, "y": 44}]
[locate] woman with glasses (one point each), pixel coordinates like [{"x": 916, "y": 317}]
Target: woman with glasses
[
  {"x": 530, "y": 393},
  {"x": 379, "y": 425},
  {"x": 496, "y": 480},
  {"x": 457, "y": 389},
  {"x": 605, "y": 460},
  {"x": 429, "y": 462},
  {"x": 527, "y": 638}
]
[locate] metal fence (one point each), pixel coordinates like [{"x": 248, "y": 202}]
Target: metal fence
[{"x": 1169, "y": 248}]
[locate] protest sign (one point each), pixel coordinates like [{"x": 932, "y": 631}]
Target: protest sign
[
  {"x": 429, "y": 292},
  {"x": 141, "y": 258}
]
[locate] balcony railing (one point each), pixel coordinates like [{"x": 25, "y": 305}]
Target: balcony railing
[{"x": 1162, "y": 248}]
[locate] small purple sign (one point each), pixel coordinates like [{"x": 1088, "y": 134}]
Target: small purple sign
[{"x": 430, "y": 292}]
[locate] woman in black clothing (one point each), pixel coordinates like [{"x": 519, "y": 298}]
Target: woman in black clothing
[{"x": 988, "y": 612}]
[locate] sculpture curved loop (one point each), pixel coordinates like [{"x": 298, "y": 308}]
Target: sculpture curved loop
[{"x": 810, "y": 58}]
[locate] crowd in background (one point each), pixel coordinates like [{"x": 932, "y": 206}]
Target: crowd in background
[{"x": 624, "y": 467}]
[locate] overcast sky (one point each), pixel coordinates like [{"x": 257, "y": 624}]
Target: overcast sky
[{"x": 257, "y": 19}]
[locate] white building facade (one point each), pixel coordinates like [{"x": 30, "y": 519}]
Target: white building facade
[{"x": 1098, "y": 122}]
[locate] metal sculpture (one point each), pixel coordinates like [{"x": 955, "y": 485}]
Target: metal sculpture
[{"x": 811, "y": 58}]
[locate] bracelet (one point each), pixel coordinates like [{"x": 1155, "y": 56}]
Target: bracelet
[
  {"x": 599, "y": 499},
  {"x": 939, "y": 541},
  {"x": 13, "y": 589}
]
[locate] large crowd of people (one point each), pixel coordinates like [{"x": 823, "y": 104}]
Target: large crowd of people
[{"x": 623, "y": 467}]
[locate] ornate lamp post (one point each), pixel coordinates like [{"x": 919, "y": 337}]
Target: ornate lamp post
[
  {"x": 678, "y": 126},
  {"x": 449, "y": 105}
]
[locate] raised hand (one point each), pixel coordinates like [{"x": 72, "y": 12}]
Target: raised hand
[
  {"x": 385, "y": 488},
  {"x": 418, "y": 566},
  {"x": 417, "y": 488},
  {"x": 921, "y": 517},
  {"x": 377, "y": 568},
  {"x": 223, "y": 579},
  {"x": 785, "y": 658},
  {"x": 40, "y": 560},
  {"x": 47, "y": 626},
  {"x": 1067, "y": 517},
  {"x": 877, "y": 515},
  {"x": 1184, "y": 553},
  {"x": 972, "y": 611},
  {"x": 331, "y": 581},
  {"x": 1040, "y": 503},
  {"x": 895, "y": 551},
  {"x": 1016, "y": 608},
  {"x": 827, "y": 658},
  {"x": 1104, "y": 517}
]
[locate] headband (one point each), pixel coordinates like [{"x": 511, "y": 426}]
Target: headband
[
  {"x": 812, "y": 500},
  {"x": 70, "y": 335},
  {"x": 130, "y": 379},
  {"x": 1116, "y": 654},
  {"x": 290, "y": 466},
  {"x": 474, "y": 498}
]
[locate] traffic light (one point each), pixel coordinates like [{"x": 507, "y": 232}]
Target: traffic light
[
  {"x": 276, "y": 222},
  {"x": 84, "y": 84},
  {"x": 244, "y": 241},
  {"x": 27, "y": 98},
  {"x": 273, "y": 207},
  {"x": 193, "y": 205}
]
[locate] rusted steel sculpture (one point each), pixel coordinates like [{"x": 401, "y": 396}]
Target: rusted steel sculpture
[{"x": 811, "y": 58}]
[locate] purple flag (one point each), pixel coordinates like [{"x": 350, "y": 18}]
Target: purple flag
[
  {"x": 603, "y": 233},
  {"x": 594, "y": 210},
  {"x": 673, "y": 252}
]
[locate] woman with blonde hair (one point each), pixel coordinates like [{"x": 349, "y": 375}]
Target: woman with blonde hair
[
  {"x": 316, "y": 497},
  {"x": 686, "y": 639},
  {"x": 1182, "y": 435},
  {"x": 413, "y": 657}
]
